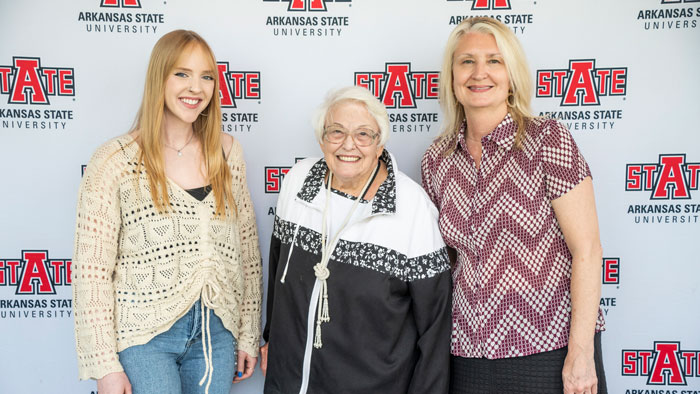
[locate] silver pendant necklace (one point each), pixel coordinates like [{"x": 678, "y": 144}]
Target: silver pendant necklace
[{"x": 179, "y": 151}]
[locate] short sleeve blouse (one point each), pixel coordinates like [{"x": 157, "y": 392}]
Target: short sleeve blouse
[{"x": 511, "y": 282}]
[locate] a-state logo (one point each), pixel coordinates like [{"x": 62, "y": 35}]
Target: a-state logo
[
  {"x": 121, "y": 3},
  {"x": 582, "y": 83},
  {"x": 122, "y": 16},
  {"x": 35, "y": 273},
  {"x": 27, "y": 82},
  {"x": 274, "y": 177},
  {"x": 501, "y": 10},
  {"x": 665, "y": 364},
  {"x": 305, "y": 18},
  {"x": 489, "y": 4},
  {"x": 611, "y": 276},
  {"x": 672, "y": 177},
  {"x": 237, "y": 85},
  {"x": 308, "y": 5},
  {"x": 398, "y": 86},
  {"x": 611, "y": 270}
]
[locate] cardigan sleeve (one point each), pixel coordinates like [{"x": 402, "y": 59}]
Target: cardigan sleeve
[
  {"x": 98, "y": 225},
  {"x": 249, "y": 330}
]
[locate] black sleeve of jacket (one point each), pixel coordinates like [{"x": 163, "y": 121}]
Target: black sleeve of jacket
[
  {"x": 432, "y": 310},
  {"x": 275, "y": 244}
]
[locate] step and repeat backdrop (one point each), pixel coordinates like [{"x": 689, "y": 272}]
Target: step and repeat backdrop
[{"x": 622, "y": 75}]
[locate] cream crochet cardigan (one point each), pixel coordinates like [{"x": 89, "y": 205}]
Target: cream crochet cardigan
[{"x": 135, "y": 271}]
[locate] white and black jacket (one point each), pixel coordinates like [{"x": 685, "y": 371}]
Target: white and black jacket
[{"x": 389, "y": 292}]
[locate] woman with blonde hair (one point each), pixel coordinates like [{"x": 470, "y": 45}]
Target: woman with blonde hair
[
  {"x": 516, "y": 203},
  {"x": 166, "y": 267}
]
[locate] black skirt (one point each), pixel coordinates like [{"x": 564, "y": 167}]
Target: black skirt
[{"x": 537, "y": 374}]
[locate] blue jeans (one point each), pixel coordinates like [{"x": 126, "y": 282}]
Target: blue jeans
[{"x": 173, "y": 362}]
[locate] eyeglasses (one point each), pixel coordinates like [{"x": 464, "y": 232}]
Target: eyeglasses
[{"x": 362, "y": 137}]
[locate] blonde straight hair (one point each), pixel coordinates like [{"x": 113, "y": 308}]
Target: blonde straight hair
[
  {"x": 207, "y": 127},
  {"x": 521, "y": 89}
]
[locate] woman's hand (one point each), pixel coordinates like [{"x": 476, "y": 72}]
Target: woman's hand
[
  {"x": 579, "y": 371},
  {"x": 114, "y": 383},
  {"x": 263, "y": 358},
  {"x": 246, "y": 366}
]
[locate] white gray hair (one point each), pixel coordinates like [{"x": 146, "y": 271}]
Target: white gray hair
[{"x": 356, "y": 94}]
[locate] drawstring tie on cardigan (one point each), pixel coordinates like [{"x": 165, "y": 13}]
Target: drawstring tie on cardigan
[{"x": 210, "y": 293}]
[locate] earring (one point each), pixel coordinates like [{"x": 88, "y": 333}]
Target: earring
[{"x": 511, "y": 99}]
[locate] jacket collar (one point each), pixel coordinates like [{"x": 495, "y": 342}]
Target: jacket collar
[{"x": 384, "y": 200}]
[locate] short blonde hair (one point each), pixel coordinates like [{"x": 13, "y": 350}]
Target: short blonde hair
[
  {"x": 521, "y": 87},
  {"x": 356, "y": 94}
]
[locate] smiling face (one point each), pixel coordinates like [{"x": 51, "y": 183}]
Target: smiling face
[
  {"x": 189, "y": 87},
  {"x": 351, "y": 164},
  {"x": 479, "y": 75}
]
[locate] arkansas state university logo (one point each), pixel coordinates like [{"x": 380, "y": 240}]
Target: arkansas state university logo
[
  {"x": 489, "y": 4},
  {"x": 582, "y": 83},
  {"x": 35, "y": 273},
  {"x": 611, "y": 270},
  {"x": 121, "y": 3},
  {"x": 274, "y": 177},
  {"x": 237, "y": 85},
  {"x": 399, "y": 87},
  {"x": 308, "y": 5},
  {"x": 665, "y": 364},
  {"x": 672, "y": 177},
  {"x": 27, "y": 82}
]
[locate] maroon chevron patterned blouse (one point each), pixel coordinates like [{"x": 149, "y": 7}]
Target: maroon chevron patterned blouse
[{"x": 511, "y": 293}]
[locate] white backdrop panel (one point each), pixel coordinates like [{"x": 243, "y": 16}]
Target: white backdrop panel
[{"x": 636, "y": 59}]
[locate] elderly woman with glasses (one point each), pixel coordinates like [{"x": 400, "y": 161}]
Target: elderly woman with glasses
[{"x": 359, "y": 283}]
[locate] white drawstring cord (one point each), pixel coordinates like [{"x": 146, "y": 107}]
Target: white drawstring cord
[
  {"x": 291, "y": 247},
  {"x": 321, "y": 268},
  {"x": 210, "y": 292}
]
